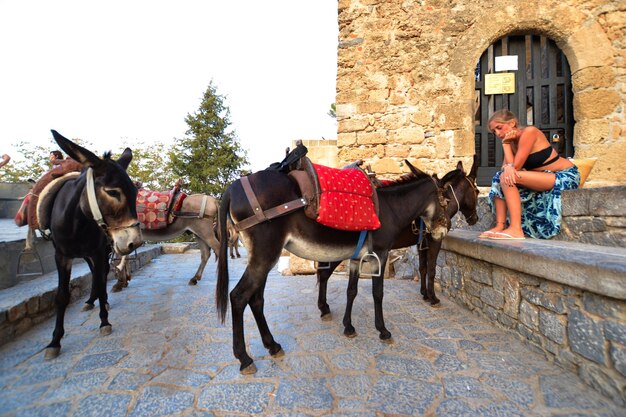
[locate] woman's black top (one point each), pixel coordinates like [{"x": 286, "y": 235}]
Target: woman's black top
[{"x": 536, "y": 159}]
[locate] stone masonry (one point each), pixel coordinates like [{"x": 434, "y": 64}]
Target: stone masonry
[
  {"x": 405, "y": 77},
  {"x": 581, "y": 330}
]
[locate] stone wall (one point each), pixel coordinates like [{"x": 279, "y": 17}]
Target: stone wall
[
  {"x": 581, "y": 330},
  {"x": 405, "y": 77}
]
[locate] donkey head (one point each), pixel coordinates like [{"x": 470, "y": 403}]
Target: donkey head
[
  {"x": 436, "y": 219},
  {"x": 463, "y": 190},
  {"x": 109, "y": 197}
]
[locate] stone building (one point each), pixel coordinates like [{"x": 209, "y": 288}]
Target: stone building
[{"x": 407, "y": 79}]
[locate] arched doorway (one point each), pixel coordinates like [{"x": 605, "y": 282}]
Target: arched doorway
[{"x": 542, "y": 97}]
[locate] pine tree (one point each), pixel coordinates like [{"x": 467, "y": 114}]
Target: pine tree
[{"x": 210, "y": 158}]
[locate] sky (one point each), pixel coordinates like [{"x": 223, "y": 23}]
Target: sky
[{"x": 120, "y": 71}]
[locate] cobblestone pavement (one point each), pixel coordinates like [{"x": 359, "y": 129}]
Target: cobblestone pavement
[{"x": 169, "y": 355}]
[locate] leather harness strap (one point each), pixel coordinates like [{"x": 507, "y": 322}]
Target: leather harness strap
[
  {"x": 261, "y": 215},
  {"x": 256, "y": 207}
]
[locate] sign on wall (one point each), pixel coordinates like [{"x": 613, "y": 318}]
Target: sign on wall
[{"x": 502, "y": 83}]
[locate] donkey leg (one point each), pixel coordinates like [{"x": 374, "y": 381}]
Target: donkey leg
[
  {"x": 257, "y": 303},
  {"x": 99, "y": 273},
  {"x": 205, "y": 254},
  {"x": 93, "y": 296},
  {"x": 433, "y": 253},
  {"x": 122, "y": 273},
  {"x": 423, "y": 271},
  {"x": 352, "y": 291},
  {"x": 239, "y": 299},
  {"x": 62, "y": 299},
  {"x": 377, "y": 293},
  {"x": 323, "y": 275}
]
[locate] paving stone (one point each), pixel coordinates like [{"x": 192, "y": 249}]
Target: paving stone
[
  {"x": 47, "y": 410},
  {"x": 350, "y": 361},
  {"x": 159, "y": 401},
  {"x": 449, "y": 363},
  {"x": 99, "y": 360},
  {"x": 462, "y": 386},
  {"x": 403, "y": 395},
  {"x": 563, "y": 392},
  {"x": 182, "y": 377},
  {"x": 351, "y": 385},
  {"x": 516, "y": 391},
  {"x": 128, "y": 381},
  {"x": 75, "y": 385},
  {"x": 110, "y": 405},
  {"x": 310, "y": 393},
  {"x": 404, "y": 366}
]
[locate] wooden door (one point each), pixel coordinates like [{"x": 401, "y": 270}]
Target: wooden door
[{"x": 543, "y": 97}]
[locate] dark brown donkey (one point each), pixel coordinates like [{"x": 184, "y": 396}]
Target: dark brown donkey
[
  {"x": 399, "y": 205},
  {"x": 462, "y": 194},
  {"x": 90, "y": 216}
]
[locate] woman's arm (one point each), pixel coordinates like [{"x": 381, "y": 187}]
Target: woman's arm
[
  {"x": 5, "y": 160},
  {"x": 524, "y": 146}
]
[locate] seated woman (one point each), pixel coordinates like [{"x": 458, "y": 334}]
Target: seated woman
[{"x": 528, "y": 188}]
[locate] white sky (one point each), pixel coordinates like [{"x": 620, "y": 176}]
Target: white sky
[{"x": 111, "y": 72}]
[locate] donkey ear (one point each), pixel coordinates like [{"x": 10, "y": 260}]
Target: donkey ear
[
  {"x": 460, "y": 166},
  {"x": 76, "y": 152},
  {"x": 416, "y": 171},
  {"x": 125, "y": 159},
  {"x": 474, "y": 169}
]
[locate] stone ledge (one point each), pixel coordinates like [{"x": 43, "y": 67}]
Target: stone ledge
[
  {"x": 598, "y": 269},
  {"x": 28, "y": 303}
]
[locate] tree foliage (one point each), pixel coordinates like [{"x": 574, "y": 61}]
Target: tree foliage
[
  {"x": 210, "y": 158},
  {"x": 30, "y": 162},
  {"x": 151, "y": 166},
  {"x": 333, "y": 111}
]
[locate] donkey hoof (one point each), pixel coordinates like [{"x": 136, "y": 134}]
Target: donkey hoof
[
  {"x": 116, "y": 288},
  {"x": 248, "y": 370},
  {"x": 106, "y": 330},
  {"x": 435, "y": 302},
  {"x": 279, "y": 354},
  {"x": 87, "y": 307},
  {"x": 385, "y": 335},
  {"x": 193, "y": 281},
  {"x": 52, "y": 352},
  {"x": 350, "y": 333},
  {"x": 326, "y": 317}
]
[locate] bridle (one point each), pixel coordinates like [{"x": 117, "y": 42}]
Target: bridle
[
  {"x": 95, "y": 209},
  {"x": 474, "y": 215}
]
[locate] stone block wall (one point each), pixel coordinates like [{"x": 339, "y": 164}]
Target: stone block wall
[
  {"x": 405, "y": 77},
  {"x": 582, "y": 331}
]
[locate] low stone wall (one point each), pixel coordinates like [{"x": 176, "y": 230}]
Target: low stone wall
[
  {"x": 11, "y": 197},
  {"x": 32, "y": 302},
  {"x": 566, "y": 299}
]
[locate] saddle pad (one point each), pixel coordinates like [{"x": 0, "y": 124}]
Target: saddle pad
[
  {"x": 346, "y": 199},
  {"x": 153, "y": 207}
]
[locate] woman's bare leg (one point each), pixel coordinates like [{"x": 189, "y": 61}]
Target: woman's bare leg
[{"x": 534, "y": 180}]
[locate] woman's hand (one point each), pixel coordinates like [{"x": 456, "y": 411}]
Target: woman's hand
[
  {"x": 510, "y": 135},
  {"x": 509, "y": 175}
]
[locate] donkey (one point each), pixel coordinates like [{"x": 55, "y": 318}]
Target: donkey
[
  {"x": 462, "y": 194},
  {"x": 399, "y": 205},
  {"x": 91, "y": 215},
  {"x": 196, "y": 215}
]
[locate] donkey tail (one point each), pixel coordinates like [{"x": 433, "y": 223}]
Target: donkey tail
[{"x": 221, "y": 289}]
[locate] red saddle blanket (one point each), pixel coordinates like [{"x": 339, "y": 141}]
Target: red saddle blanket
[
  {"x": 346, "y": 199},
  {"x": 154, "y": 208}
]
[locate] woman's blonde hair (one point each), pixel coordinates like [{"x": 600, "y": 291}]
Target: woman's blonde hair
[{"x": 503, "y": 116}]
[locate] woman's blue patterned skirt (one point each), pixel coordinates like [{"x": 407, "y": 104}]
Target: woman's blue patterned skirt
[{"x": 541, "y": 211}]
